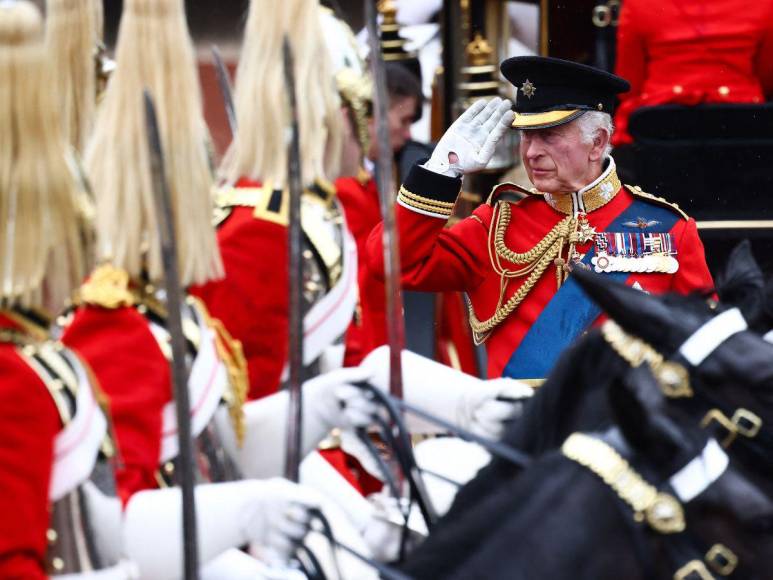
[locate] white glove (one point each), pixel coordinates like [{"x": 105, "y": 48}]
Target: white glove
[
  {"x": 457, "y": 397},
  {"x": 329, "y": 401},
  {"x": 271, "y": 513},
  {"x": 468, "y": 145}
]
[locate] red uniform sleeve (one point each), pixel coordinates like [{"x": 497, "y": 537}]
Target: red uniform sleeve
[
  {"x": 29, "y": 422},
  {"x": 132, "y": 371},
  {"x": 433, "y": 258},
  {"x": 252, "y": 300},
  {"x": 631, "y": 64},
  {"x": 693, "y": 274}
]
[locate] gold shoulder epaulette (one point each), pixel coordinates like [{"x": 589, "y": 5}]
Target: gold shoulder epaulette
[
  {"x": 517, "y": 192},
  {"x": 637, "y": 191},
  {"x": 107, "y": 287}
]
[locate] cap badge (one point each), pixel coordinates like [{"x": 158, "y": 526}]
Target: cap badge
[{"x": 528, "y": 89}]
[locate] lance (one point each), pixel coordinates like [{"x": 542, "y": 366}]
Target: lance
[
  {"x": 295, "y": 233},
  {"x": 384, "y": 181},
  {"x": 174, "y": 294},
  {"x": 224, "y": 82}
]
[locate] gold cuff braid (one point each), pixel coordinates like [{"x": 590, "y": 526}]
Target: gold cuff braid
[{"x": 410, "y": 199}]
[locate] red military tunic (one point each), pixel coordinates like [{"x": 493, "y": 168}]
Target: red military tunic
[
  {"x": 459, "y": 258},
  {"x": 29, "y": 423},
  {"x": 359, "y": 197},
  {"x": 693, "y": 51},
  {"x": 134, "y": 374},
  {"x": 252, "y": 300}
]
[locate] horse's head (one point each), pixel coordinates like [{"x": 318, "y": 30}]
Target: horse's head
[
  {"x": 729, "y": 389},
  {"x": 724, "y": 509}
]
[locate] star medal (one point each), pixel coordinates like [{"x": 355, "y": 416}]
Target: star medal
[
  {"x": 528, "y": 89},
  {"x": 585, "y": 232}
]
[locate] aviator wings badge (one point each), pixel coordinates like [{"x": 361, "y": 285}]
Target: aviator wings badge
[{"x": 641, "y": 223}]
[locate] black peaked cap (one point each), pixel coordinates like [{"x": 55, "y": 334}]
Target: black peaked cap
[{"x": 553, "y": 85}]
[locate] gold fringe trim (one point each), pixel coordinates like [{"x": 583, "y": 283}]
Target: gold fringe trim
[{"x": 231, "y": 354}]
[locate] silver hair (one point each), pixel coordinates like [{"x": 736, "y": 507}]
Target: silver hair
[{"x": 592, "y": 122}]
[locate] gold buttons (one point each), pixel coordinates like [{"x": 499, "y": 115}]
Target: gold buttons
[
  {"x": 58, "y": 564},
  {"x": 600, "y": 107},
  {"x": 169, "y": 468},
  {"x": 52, "y": 536},
  {"x": 678, "y": 89},
  {"x": 724, "y": 91}
]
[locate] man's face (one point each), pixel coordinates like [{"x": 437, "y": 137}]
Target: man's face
[
  {"x": 400, "y": 117},
  {"x": 557, "y": 159}
]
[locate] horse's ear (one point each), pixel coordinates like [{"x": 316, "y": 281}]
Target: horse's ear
[
  {"x": 742, "y": 282},
  {"x": 651, "y": 426}
]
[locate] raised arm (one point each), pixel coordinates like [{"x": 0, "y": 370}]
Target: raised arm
[{"x": 433, "y": 257}]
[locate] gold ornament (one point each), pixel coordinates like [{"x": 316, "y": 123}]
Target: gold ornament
[{"x": 107, "y": 287}]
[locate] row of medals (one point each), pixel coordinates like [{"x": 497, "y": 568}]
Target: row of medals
[{"x": 603, "y": 262}]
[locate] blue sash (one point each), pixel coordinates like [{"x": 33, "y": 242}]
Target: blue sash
[{"x": 571, "y": 311}]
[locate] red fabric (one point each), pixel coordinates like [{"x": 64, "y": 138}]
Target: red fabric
[
  {"x": 457, "y": 258},
  {"x": 693, "y": 51},
  {"x": 29, "y": 423},
  {"x": 455, "y": 347},
  {"x": 133, "y": 372},
  {"x": 368, "y": 330},
  {"x": 252, "y": 300},
  {"x": 352, "y": 470}
]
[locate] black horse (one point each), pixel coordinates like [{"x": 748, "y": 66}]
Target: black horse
[
  {"x": 574, "y": 397},
  {"x": 559, "y": 519}
]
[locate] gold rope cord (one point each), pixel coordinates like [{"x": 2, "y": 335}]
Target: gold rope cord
[{"x": 536, "y": 261}]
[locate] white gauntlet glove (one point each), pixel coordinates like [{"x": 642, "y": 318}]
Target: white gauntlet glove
[
  {"x": 272, "y": 513},
  {"x": 476, "y": 405},
  {"x": 329, "y": 401},
  {"x": 469, "y": 143}
]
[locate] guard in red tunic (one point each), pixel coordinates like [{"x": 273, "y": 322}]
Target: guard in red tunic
[
  {"x": 252, "y": 300},
  {"x": 357, "y": 190},
  {"x": 707, "y": 52},
  {"x": 119, "y": 328},
  {"x": 514, "y": 258},
  {"x": 58, "y": 513}
]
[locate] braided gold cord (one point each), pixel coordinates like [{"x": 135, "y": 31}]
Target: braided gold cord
[
  {"x": 537, "y": 261},
  {"x": 562, "y": 229}
]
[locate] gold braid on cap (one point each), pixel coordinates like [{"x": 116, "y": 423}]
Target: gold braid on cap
[
  {"x": 662, "y": 511},
  {"x": 535, "y": 262},
  {"x": 673, "y": 378}
]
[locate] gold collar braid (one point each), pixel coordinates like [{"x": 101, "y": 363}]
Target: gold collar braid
[
  {"x": 571, "y": 230},
  {"x": 589, "y": 198},
  {"x": 662, "y": 511}
]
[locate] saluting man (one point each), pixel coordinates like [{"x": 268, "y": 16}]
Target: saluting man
[{"x": 514, "y": 258}]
